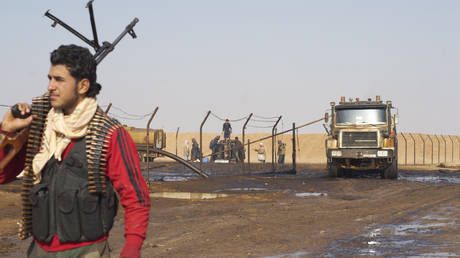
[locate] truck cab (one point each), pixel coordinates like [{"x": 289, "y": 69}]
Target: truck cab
[{"x": 362, "y": 137}]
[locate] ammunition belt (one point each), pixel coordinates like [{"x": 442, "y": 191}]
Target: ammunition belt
[
  {"x": 100, "y": 128},
  {"x": 40, "y": 108}
]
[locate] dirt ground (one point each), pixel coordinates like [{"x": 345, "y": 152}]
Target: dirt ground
[{"x": 285, "y": 215}]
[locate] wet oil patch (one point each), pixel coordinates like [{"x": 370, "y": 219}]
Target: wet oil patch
[
  {"x": 313, "y": 194},
  {"x": 170, "y": 176},
  {"x": 297, "y": 254},
  {"x": 437, "y": 178},
  {"x": 414, "y": 238},
  {"x": 243, "y": 189},
  {"x": 425, "y": 255},
  {"x": 187, "y": 195}
]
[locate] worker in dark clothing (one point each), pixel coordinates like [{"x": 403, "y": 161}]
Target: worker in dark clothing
[
  {"x": 281, "y": 152},
  {"x": 195, "y": 153},
  {"x": 227, "y": 129},
  {"x": 239, "y": 150},
  {"x": 214, "y": 146}
]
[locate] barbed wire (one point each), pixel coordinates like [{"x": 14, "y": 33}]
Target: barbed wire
[
  {"x": 264, "y": 121},
  {"x": 230, "y": 120},
  {"x": 264, "y": 117},
  {"x": 255, "y": 125},
  {"x": 259, "y": 126},
  {"x": 125, "y": 118},
  {"x": 128, "y": 116}
]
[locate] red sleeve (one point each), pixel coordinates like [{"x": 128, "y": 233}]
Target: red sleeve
[
  {"x": 123, "y": 168},
  {"x": 14, "y": 167}
]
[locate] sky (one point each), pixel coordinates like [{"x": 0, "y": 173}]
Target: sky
[{"x": 271, "y": 58}]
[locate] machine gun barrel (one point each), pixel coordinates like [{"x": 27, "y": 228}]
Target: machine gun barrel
[
  {"x": 109, "y": 47},
  {"x": 67, "y": 27},
  {"x": 93, "y": 23},
  {"x": 100, "y": 51}
]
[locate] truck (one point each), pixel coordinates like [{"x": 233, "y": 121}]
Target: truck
[
  {"x": 362, "y": 137},
  {"x": 157, "y": 140}
]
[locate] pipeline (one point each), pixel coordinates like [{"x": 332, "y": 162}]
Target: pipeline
[{"x": 180, "y": 160}]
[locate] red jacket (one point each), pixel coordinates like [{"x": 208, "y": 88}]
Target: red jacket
[{"x": 123, "y": 169}]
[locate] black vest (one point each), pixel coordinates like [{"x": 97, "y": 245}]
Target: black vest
[{"x": 62, "y": 205}]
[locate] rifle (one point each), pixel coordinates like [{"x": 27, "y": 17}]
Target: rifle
[{"x": 101, "y": 51}]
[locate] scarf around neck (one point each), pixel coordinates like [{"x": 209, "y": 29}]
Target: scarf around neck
[{"x": 59, "y": 132}]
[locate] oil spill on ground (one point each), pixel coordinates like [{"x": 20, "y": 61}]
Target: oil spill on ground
[{"x": 414, "y": 238}]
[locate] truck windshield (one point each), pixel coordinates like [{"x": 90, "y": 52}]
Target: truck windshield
[{"x": 360, "y": 116}]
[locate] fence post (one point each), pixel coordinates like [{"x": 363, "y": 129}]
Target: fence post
[
  {"x": 423, "y": 141},
  {"x": 201, "y": 136},
  {"x": 432, "y": 148},
  {"x": 243, "y": 133},
  {"x": 439, "y": 148},
  {"x": 445, "y": 148},
  {"x": 148, "y": 144},
  {"x": 452, "y": 147},
  {"x": 273, "y": 143},
  {"x": 177, "y": 134},
  {"x": 405, "y": 148},
  {"x": 410, "y": 134},
  {"x": 294, "y": 166},
  {"x": 458, "y": 140},
  {"x": 249, "y": 155},
  {"x": 108, "y": 108}
]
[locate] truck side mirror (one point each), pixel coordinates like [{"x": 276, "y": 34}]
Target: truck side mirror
[
  {"x": 396, "y": 119},
  {"x": 326, "y": 117},
  {"x": 325, "y": 128}
]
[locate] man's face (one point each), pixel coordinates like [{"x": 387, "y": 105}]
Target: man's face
[{"x": 63, "y": 89}]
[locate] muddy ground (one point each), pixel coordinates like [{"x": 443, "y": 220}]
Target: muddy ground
[{"x": 284, "y": 215}]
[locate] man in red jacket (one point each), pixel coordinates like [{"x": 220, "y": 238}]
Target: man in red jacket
[{"x": 84, "y": 156}]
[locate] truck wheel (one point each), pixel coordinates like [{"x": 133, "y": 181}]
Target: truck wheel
[
  {"x": 391, "y": 172},
  {"x": 335, "y": 171}
]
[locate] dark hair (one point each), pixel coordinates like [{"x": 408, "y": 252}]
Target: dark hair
[{"x": 80, "y": 63}]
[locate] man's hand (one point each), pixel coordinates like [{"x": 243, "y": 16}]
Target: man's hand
[
  {"x": 132, "y": 248},
  {"x": 130, "y": 251},
  {"x": 12, "y": 124}
]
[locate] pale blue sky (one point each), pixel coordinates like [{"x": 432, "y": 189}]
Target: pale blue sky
[{"x": 271, "y": 58}]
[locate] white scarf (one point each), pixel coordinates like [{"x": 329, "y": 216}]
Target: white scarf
[{"x": 59, "y": 132}]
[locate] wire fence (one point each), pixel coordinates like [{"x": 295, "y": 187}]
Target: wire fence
[{"x": 428, "y": 149}]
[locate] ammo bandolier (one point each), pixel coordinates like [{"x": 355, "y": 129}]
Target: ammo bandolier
[{"x": 74, "y": 198}]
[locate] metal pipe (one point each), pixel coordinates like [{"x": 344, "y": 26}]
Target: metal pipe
[
  {"x": 439, "y": 147},
  {"x": 432, "y": 148},
  {"x": 148, "y": 144},
  {"x": 423, "y": 140},
  {"x": 286, "y": 131},
  {"x": 452, "y": 147},
  {"x": 201, "y": 136},
  {"x": 273, "y": 143},
  {"x": 405, "y": 148},
  {"x": 181, "y": 160},
  {"x": 410, "y": 134},
  {"x": 294, "y": 166},
  {"x": 177, "y": 135}
]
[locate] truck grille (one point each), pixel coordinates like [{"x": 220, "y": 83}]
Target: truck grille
[{"x": 359, "y": 139}]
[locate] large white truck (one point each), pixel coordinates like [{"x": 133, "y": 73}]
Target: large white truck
[{"x": 362, "y": 137}]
